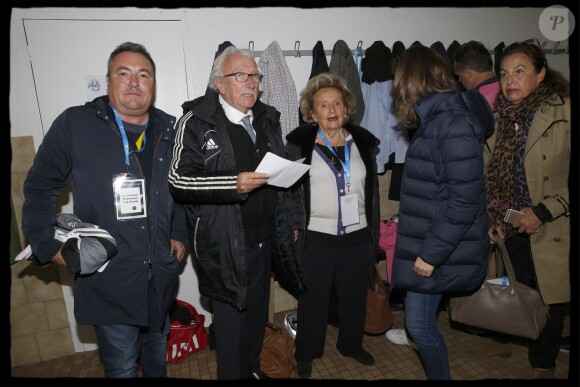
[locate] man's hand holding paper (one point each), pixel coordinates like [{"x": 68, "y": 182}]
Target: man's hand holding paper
[{"x": 282, "y": 172}]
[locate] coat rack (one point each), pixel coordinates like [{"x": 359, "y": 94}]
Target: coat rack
[
  {"x": 297, "y": 52},
  {"x": 555, "y": 50}
]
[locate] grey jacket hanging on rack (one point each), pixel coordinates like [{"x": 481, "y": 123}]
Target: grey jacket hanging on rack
[{"x": 342, "y": 63}]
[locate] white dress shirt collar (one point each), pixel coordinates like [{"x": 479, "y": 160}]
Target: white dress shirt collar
[{"x": 233, "y": 114}]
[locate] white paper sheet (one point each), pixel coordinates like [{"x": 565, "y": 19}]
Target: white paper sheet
[
  {"x": 282, "y": 172},
  {"x": 504, "y": 281}
]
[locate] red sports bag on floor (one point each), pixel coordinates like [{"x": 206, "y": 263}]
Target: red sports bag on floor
[{"x": 185, "y": 339}]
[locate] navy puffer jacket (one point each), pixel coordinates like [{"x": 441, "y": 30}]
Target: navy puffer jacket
[{"x": 443, "y": 215}]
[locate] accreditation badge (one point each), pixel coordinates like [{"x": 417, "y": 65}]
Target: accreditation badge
[
  {"x": 349, "y": 209},
  {"x": 129, "y": 193}
]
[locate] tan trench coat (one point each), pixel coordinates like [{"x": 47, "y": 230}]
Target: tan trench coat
[{"x": 547, "y": 165}]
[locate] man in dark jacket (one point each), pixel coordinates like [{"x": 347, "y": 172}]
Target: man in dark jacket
[
  {"x": 116, "y": 150},
  {"x": 236, "y": 222}
]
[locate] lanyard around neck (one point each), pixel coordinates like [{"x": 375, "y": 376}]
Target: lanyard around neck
[
  {"x": 346, "y": 162},
  {"x": 124, "y": 136}
]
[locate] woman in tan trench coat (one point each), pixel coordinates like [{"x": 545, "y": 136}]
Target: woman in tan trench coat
[{"x": 528, "y": 163}]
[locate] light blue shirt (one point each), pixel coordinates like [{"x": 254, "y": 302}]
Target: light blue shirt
[{"x": 379, "y": 119}]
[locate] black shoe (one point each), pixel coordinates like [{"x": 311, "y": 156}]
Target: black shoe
[
  {"x": 304, "y": 369},
  {"x": 260, "y": 375},
  {"x": 565, "y": 344},
  {"x": 362, "y": 357}
]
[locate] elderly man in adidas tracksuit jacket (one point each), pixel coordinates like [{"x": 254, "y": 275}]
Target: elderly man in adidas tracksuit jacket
[{"x": 236, "y": 222}]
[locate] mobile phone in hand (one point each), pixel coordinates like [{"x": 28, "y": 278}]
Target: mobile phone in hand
[{"x": 511, "y": 216}]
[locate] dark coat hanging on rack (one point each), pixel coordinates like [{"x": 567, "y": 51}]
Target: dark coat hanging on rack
[
  {"x": 497, "y": 54},
  {"x": 376, "y": 64},
  {"x": 440, "y": 49},
  {"x": 220, "y": 49},
  {"x": 319, "y": 66},
  {"x": 451, "y": 50},
  {"x": 319, "y": 62},
  {"x": 396, "y": 52}
]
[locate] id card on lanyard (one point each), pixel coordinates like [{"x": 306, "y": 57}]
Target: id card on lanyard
[
  {"x": 348, "y": 202},
  {"x": 128, "y": 190},
  {"x": 130, "y": 201},
  {"x": 349, "y": 209}
]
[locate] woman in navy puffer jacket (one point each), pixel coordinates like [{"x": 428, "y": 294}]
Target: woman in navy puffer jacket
[{"x": 442, "y": 239}]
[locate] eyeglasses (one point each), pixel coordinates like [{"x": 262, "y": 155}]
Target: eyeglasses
[{"x": 243, "y": 77}]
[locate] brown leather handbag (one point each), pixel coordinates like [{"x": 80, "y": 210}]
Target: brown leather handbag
[
  {"x": 502, "y": 304},
  {"x": 276, "y": 358},
  {"x": 379, "y": 317}
]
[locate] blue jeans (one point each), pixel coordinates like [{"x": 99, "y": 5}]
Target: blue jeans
[
  {"x": 421, "y": 322},
  {"x": 124, "y": 347},
  {"x": 121, "y": 345}
]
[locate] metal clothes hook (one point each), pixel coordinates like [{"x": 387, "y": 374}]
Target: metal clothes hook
[
  {"x": 554, "y": 49},
  {"x": 297, "y": 49},
  {"x": 251, "y": 45},
  {"x": 358, "y": 50}
]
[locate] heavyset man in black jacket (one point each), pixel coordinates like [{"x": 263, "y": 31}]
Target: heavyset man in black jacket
[
  {"x": 237, "y": 223},
  {"x": 116, "y": 137}
]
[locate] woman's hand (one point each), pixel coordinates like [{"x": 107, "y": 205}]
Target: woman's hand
[
  {"x": 529, "y": 222},
  {"x": 497, "y": 231},
  {"x": 422, "y": 268}
]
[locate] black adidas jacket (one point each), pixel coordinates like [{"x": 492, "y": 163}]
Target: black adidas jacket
[{"x": 203, "y": 177}]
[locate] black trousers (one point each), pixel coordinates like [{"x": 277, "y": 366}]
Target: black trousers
[
  {"x": 543, "y": 351},
  {"x": 239, "y": 335},
  {"x": 346, "y": 270}
]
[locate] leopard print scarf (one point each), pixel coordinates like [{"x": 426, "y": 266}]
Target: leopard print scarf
[{"x": 505, "y": 180}]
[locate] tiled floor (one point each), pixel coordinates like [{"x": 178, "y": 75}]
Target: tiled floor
[{"x": 392, "y": 361}]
